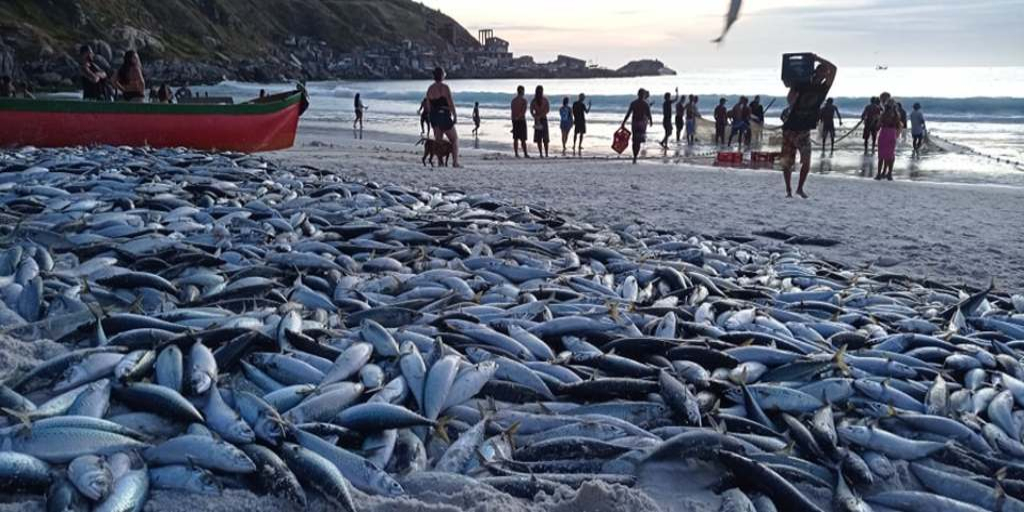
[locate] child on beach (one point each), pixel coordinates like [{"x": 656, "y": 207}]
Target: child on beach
[
  {"x": 917, "y": 127},
  {"x": 565, "y": 122},
  {"x": 476, "y": 118}
]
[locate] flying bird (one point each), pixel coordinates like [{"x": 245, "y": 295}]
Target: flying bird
[{"x": 734, "y": 14}]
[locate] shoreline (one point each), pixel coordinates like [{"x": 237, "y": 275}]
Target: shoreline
[{"x": 955, "y": 232}]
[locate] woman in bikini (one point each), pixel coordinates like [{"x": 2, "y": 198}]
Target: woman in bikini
[{"x": 441, "y": 110}]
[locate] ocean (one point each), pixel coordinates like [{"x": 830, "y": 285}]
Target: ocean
[{"x": 977, "y": 112}]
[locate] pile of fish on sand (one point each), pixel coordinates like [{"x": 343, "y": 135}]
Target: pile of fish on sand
[{"x": 234, "y": 323}]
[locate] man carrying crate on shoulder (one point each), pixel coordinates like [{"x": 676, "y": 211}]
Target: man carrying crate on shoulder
[{"x": 806, "y": 95}]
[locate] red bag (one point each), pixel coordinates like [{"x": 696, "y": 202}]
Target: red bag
[{"x": 621, "y": 140}]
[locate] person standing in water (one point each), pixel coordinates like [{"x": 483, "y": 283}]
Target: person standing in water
[
  {"x": 692, "y": 114},
  {"x": 887, "y": 137},
  {"x": 424, "y": 116},
  {"x": 579, "y": 120},
  {"x": 441, "y": 109},
  {"x": 640, "y": 111},
  {"x": 539, "y": 108},
  {"x": 871, "y": 116},
  {"x": 476, "y": 118},
  {"x": 917, "y": 128},
  {"x": 804, "y": 101},
  {"x": 359, "y": 107},
  {"x": 740, "y": 116},
  {"x": 666, "y": 119},
  {"x": 721, "y": 121},
  {"x": 756, "y": 117},
  {"x": 519, "y": 106},
  {"x": 681, "y": 105},
  {"x": 829, "y": 113},
  {"x": 565, "y": 122}
]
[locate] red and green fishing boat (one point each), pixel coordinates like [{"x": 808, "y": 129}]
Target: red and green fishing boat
[{"x": 266, "y": 124}]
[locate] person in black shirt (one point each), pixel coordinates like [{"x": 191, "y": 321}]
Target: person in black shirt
[
  {"x": 805, "y": 101},
  {"x": 666, "y": 120},
  {"x": 756, "y": 116},
  {"x": 579, "y": 120}
]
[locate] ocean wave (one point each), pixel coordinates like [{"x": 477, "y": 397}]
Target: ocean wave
[{"x": 976, "y": 109}]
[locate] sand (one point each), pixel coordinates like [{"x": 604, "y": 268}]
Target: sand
[{"x": 960, "y": 234}]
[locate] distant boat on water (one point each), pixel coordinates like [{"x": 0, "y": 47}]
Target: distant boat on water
[{"x": 881, "y": 67}]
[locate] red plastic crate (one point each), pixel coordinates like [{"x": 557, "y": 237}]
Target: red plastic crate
[
  {"x": 760, "y": 159},
  {"x": 729, "y": 158}
]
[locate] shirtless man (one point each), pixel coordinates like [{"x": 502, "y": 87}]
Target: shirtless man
[
  {"x": 640, "y": 111},
  {"x": 539, "y": 108},
  {"x": 519, "y": 106},
  {"x": 829, "y": 113},
  {"x": 692, "y": 114},
  {"x": 804, "y": 101},
  {"x": 721, "y": 121},
  {"x": 740, "y": 116},
  {"x": 681, "y": 115},
  {"x": 579, "y": 121},
  {"x": 872, "y": 117}
]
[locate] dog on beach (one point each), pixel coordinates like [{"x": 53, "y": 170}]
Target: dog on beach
[{"x": 432, "y": 148}]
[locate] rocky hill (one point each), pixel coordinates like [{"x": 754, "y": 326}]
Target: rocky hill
[{"x": 208, "y": 40}]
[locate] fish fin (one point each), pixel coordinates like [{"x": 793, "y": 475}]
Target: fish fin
[
  {"x": 492, "y": 407},
  {"x": 840, "y": 360},
  {"x": 25, "y": 419},
  {"x": 439, "y": 429},
  {"x": 510, "y": 433},
  {"x": 788, "y": 449},
  {"x": 547, "y": 410},
  {"x": 892, "y": 411}
]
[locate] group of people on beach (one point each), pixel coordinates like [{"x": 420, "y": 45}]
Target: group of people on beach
[
  {"x": 126, "y": 84},
  {"x": 572, "y": 119},
  {"x": 742, "y": 118},
  {"x": 808, "y": 107},
  {"x": 884, "y": 121}
]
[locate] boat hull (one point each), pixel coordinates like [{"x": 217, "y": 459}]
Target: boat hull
[{"x": 247, "y": 127}]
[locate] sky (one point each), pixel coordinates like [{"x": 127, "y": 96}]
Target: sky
[{"x": 678, "y": 32}]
